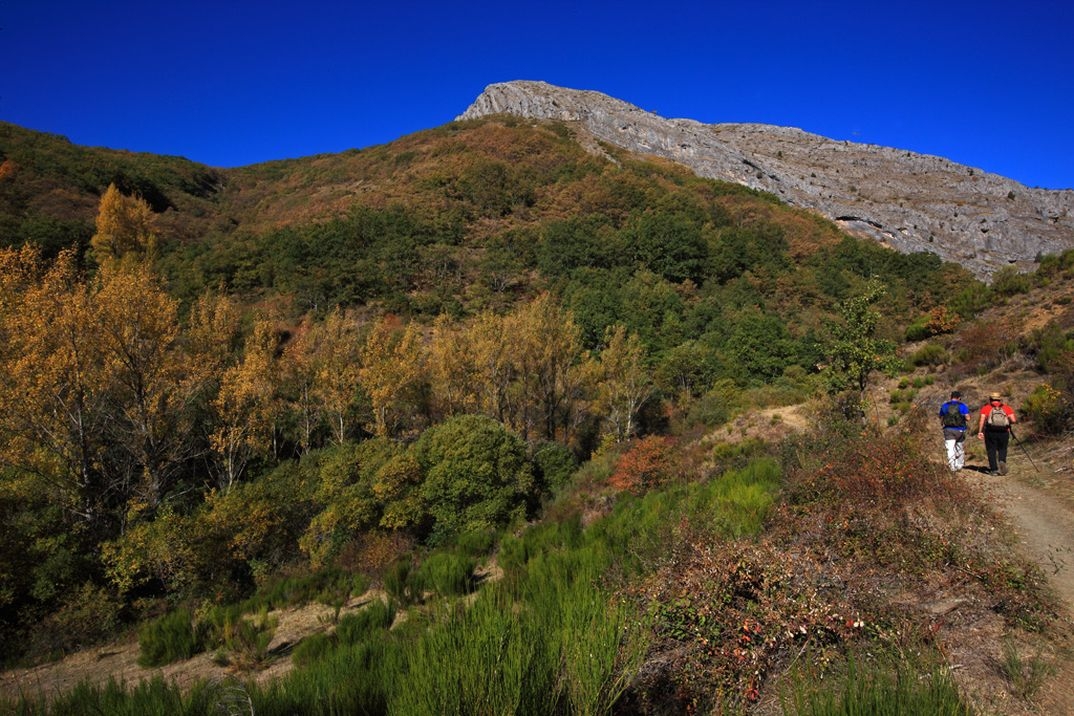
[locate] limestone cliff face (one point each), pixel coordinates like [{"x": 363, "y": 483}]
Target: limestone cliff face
[{"x": 909, "y": 201}]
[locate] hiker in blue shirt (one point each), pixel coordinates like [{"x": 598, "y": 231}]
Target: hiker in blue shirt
[{"x": 953, "y": 415}]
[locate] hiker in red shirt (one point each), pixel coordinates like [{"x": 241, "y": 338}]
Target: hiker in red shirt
[{"x": 994, "y": 428}]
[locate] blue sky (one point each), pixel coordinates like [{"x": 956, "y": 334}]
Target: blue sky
[{"x": 235, "y": 82}]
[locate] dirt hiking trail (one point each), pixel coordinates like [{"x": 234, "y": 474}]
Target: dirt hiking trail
[{"x": 1037, "y": 497}]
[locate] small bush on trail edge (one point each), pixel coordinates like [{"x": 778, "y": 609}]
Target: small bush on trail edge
[
  {"x": 446, "y": 573},
  {"x": 172, "y": 637},
  {"x": 374, "y": 618},
  {"x": 246, "y": 640},
  {"x": 1049, "y": 410},
  {"x": 931, "y": 354},
  {"x": 853, "y": 471}
]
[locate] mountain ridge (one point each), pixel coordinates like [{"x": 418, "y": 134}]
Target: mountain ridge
[{"x": 905, "y": 200}]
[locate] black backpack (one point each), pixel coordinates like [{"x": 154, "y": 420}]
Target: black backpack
[{"x": 953, "y": 416}]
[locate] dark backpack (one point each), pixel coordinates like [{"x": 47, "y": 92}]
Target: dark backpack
[
  {"x": 953, "y": 417},
  {"x": 998, "y": 418}
]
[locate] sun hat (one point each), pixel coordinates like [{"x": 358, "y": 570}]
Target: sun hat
[{"x": 994, "y": 396}]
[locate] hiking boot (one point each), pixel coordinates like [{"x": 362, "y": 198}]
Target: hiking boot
[{"x": 1003, "y": 468}]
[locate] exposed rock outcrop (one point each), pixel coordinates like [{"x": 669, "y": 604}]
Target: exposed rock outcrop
[{"x": 909, "y": 201}]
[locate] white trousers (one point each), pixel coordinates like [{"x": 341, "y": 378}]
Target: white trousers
[{"x": 955, "y": 442}]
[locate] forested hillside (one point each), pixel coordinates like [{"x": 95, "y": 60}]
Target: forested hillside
[{"x": 335, "y": 369}]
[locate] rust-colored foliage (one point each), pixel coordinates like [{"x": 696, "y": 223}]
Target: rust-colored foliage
[
  {"x": 986, "y": 344},
  {"x": 872, "y": 471},
  {"x": 942, "y": 320},
  {"x": 373, "y": 552},
  {"x": 646, "y": 464},
  {"x": 727, "y": 614}
]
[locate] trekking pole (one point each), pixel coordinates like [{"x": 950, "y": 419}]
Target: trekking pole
[{"x": 1019, "y": 442}]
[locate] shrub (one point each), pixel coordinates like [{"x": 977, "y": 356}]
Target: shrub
[
  {"x": 1008, "y": 281},
  {"x": 736, "y": 455},
  {"x": 983, "y": 345},
  {"x": 477, "y": 475},
  {"x": 447, "y": 574},
  {"x": 1026, "y": 676},
  {"x": 717, "y": 406},
  {"x": 1049, "y": 410},
  {"x": 939, "y": 320},
  {"x": 476, "y": 543},
  {"x": 930, "y": 354},
  {"x": 313, "y": 648},
  {"x": 555, "y": 464},
  {"x": 87, "y": 614},
  {"x": 398, "y": 582},
  {"x": 879, "y": 688},
  {"x": 355, "y": 628},
  {"x": 644, "y": 465},
  {"x": 172, "y": 637},
  {"x": 247, "y": 640}
]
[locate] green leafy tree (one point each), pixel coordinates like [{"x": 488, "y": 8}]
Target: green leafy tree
[
  {"x": 670, "y": 245},
  {"x": 347, "y": 476},
  {"x": 759, "y": 348},
  {"x": 477, "y": 474},
  {"x": 855, "y": 351}
]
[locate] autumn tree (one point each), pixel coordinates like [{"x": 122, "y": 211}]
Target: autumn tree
[
  {"x": 392, "y": 373},
  {"x": 212, "y": 341},
  {"x": 138, "y": 330},
  {"x": 94, "y": 380},
  {"x": 545, "y": 348},
  {"x": 522, "y": 369},
  {"x": 52, "y": 397},
  {"x": 297, "y": 378},
  {"x": 334, "y": 356},
  {"x": 487, "y": 345},
  {"x": 126, "y": 227},
  {"x": 472, "y": 368},
  {"x": 246, "y": 406},
  {"x": 624, "y": 382}
]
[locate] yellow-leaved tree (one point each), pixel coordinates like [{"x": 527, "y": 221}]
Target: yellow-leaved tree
[
  {"x": 126, "y": 227},
  {"x": 455, "y": 384},
  {"x": 546, "y": 351},
  {"x": 212, "y": 341},
  {"x": 624, "y": 382},
  {"x": 52, "y": 387},
  {"x": 335, "y": 357},
  {"x": 145, "y": 371},
  {"x": 393, "y": 374},
  {"x": 247, "y": 405}
]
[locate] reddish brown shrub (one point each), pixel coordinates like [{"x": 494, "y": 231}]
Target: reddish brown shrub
[{"x": 645, "y": 464}]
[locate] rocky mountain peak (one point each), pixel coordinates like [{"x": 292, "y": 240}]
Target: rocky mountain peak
[{"x": 909, "y": 201}]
